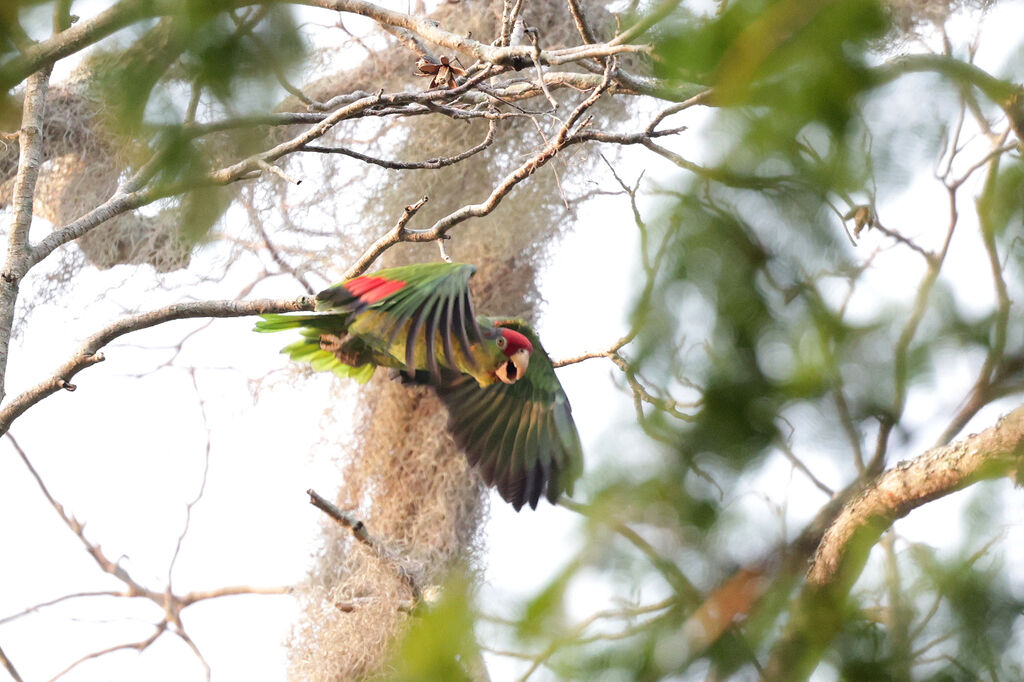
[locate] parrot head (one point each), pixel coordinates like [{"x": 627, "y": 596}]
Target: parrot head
[{"x": 517, "y": 349}]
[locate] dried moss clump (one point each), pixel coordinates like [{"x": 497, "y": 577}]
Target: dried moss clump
[{"x": 403, "y": 476}]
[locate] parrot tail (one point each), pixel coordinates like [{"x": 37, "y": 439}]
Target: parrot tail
[
  {"x": 321, "y": 344},
  {"x": 272, "y": 322}
]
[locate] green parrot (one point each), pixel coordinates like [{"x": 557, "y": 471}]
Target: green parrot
[{"x": 506, "y": 408}]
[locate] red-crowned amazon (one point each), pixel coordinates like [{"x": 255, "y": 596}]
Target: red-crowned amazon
[{"x": 506, "y": 408}]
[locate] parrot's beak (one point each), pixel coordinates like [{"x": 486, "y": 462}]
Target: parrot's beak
[{"x": 515, "y": 367}]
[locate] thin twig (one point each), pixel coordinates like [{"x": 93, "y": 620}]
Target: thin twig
[
  {"x": 687, "y": 593},
  {"x": 141, "y": 645},
  {"x": 796, "y": 462},
  {"x": 88, "y": 352},
  {"x": 582, "y": 25},
  {"x": 434, "y": 163},
  {"x": 9, "y": 667},
  {"x": 360, "y": 533}
]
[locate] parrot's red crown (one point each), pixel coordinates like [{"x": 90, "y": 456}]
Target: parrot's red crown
[{"x": 515, "y": 341}]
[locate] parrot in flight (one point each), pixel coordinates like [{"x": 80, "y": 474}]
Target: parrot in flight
[{"x": 506, "y": 408}]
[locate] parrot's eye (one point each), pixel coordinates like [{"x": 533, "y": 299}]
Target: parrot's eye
[{"x": 502, "y": 342}]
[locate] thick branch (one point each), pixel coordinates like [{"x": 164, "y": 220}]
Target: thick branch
[
  {"x": 88, "y": 353},
  {"x": 29, "y": 157},
  {"x": 114, "y": 206},
  {"x": 994, "y": 452},
  {"x": 515, "y": 57},
  {"x": 816, "y": 615},
  {"x": 72, "y": 40}
]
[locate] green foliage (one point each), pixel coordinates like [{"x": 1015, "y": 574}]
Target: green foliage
[
  {"x": 750, "y": 316},
  {"x": 1004, "y": 203},
  {"x": 978, "y": 604},
  {"x": 440, "y": 644},
  {"x": 544, "y": 614},
  {"x": 790, "y": 69},
  {"x": 205, "y": 48}
]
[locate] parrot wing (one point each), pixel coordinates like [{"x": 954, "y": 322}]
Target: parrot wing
[
  {"x": 521, "y": 436},
  {"x": 415, "y": 312}
]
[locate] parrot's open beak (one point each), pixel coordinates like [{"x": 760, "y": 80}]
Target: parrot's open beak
[{"x": 515, "y": 367}]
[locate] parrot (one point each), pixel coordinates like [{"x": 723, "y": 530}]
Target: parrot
[{"x": 507, "y": 410}]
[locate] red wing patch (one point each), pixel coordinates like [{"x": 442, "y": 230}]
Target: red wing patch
[{"x": 371, "y": 289}]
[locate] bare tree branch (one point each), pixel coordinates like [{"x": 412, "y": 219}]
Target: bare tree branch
[
  {"x": 52, "y": 602},
  {"x": 858, "y": 519},
  {"x": 140, "y": 645},
  {"x": 86, "y": 32},
  {"x": 440, "y": 228},
  {"x": 994, "y": 452},
  {"x": 171, "y": 604},
  {"x": 434, "y": 163},
  {"x": 512, "y": 56},
  {"x": 88, "y": 353},
  {"x": 17, "y": 262},
  {"x": 9, "y": 667}
]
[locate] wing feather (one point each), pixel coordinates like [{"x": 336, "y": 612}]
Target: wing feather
[
  {"x": 430, "y": 335},
  {"x": 478, "y": 449},
  {"x": 446, "y": 332},
  {"x": 504, "y": 443},
  {"x": 532, "y": 487},
  {"x": 412, "y": 305},
  {"x": 461, "y": 327},
  {"x": 471, "y": 315},
  {"x": 521, "y": 436}
]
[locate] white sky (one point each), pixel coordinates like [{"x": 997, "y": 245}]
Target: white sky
[{"x": 125, "y": 455}]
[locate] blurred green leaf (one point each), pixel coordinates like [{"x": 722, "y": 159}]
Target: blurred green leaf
[
  {"x": 1003, "y": 206},
  {"x": 545, "y": 613},
  {"x": 204, "y": 48},
  {"x": 440, "y": 643}
]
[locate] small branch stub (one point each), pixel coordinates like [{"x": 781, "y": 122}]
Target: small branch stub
[
  {"x": 66, "y": 385},
  {"x": 441, "y": 247},
  {"x": 409, "y": 212},
  {"x": 357, "y": 527},
  {"x": 270, "y": 168}
]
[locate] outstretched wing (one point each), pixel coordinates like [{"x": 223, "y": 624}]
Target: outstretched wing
[
  {"x": 521, "y": 436},
  {"x": 417, "y": 313}
]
